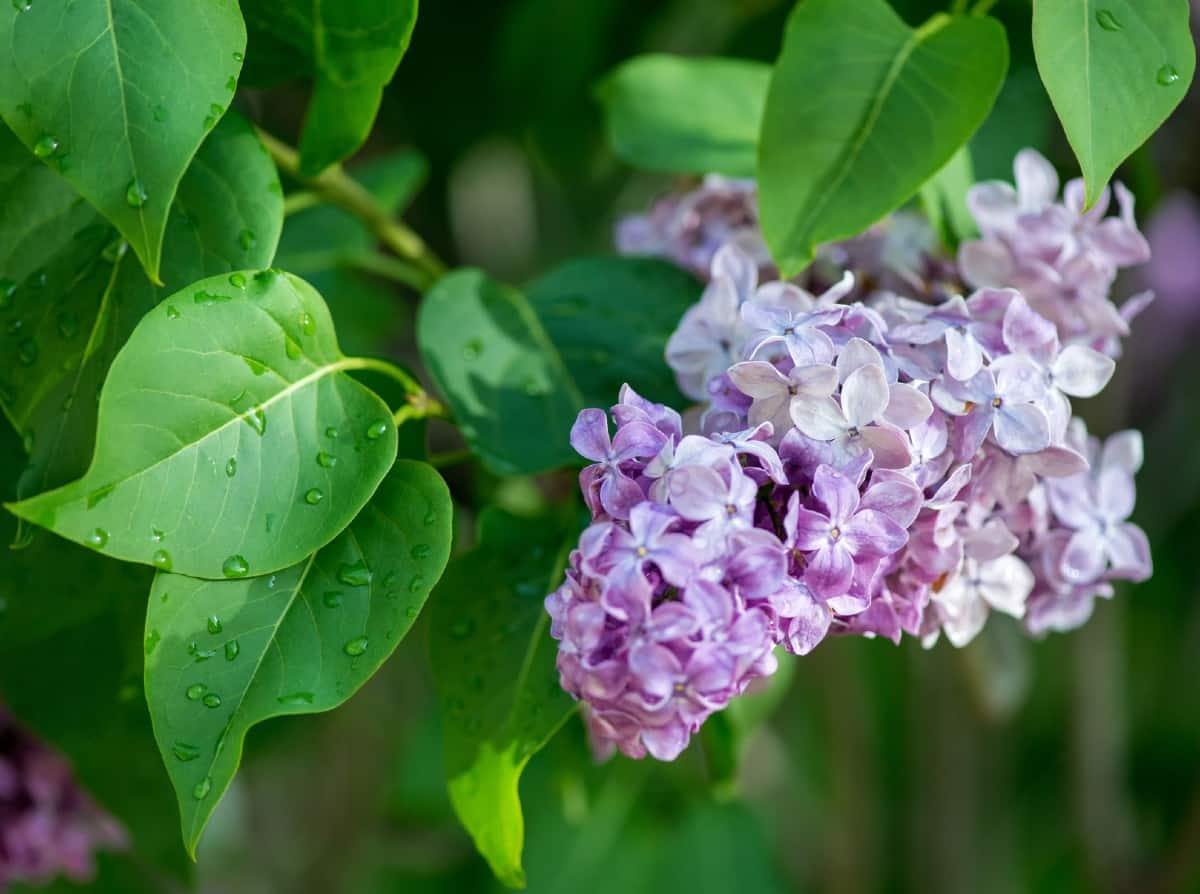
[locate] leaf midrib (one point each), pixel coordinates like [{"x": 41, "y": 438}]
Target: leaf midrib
[{"x": 126, "y": 127}]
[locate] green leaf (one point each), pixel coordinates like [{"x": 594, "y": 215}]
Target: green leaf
[
  {"x": 223, "y": 656},
  {"x": 861, "y": 111},
  {"x": 511, "y": 393},
  {"x": 944, "y": 198},
  {"x": 669, "y": 113},
  {"x": 351, "y": 50},
  {"x": 118, "y": 95},
  {"x": 1114, "y": 70},
  {"x": 73, "y": 295},
  {"x": 494, "y": 666},
  {"x": 231, "y": 441},
  {"x": 610, "y": 319}
]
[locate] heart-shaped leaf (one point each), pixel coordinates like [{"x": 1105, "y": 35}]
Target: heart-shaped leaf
[
  {"x": 494, "y": 664},
  {"x": 231, "y": 441},
  {"x": 698, "y": 116},
  {"x": 222, "y": 656},
  {"x": 118, "y": 95},
  {"x": 1114, "y": 70},
  {"x": 861, "y": 111},
  {"x": 350, "y": 49},
  {"x": 72, "y": 295}
]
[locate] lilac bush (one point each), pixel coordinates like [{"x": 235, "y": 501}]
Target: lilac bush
[{"x": 885, "y": 447}]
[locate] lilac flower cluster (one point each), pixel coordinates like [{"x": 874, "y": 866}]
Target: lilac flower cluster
[
  {"x": 48, "y": 825},
  {"x": 876, "y": 454}
]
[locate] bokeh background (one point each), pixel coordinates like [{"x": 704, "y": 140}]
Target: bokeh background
[{"x": 1070, "y": 764}]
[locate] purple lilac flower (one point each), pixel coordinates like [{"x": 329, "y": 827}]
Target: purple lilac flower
[{"x": 48, "y": 825}]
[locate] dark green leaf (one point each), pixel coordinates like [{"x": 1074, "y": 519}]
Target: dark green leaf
[
  {"x": 223, "y": 656},
  {"x": 861, "y": 111},
  {"x": 511, "y": 393},
  {"x": 76, "y": 295},
  {"x": 1114, "y": 70},
  {"x": 351, "y": 50},
  {"x": 610, "y": 319},
  {"x": 231, "y": 440},
  {"x": 668, "y": 113},
  {"x": 494, "y": 664},
  {"x": 118, "y": 95}
]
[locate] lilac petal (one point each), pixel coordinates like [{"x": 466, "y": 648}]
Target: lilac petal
[
  {"x": 830, "y": 571},
  {"x": 872, "y": 534},
  {"x": 737, "y": 266},
  {"x": 964, "y": 625},
  {"x": 854, "y": 354},
  {"x": 697, "y": 493},
  {"x": 809, "y": 530},
  {"x": 889, "y": 446},
  {"x": 895, "y": 496},
  {"x": 836, "y": 493},
  {"x": 711, "y": 602},
  {"x": 1025, "y": 330},
  {"x": 1037, "y": 181},
  {"x": 656, "y": 669},
  {"x": 907, "y": 407},
  {"x": 637, "y": 439},
  {"x": 1123, "y": 450},
  {"x": 986, "y": 263},
  {"x": 672, "y": 620},
  {"x": 957, "y": 480},
  {"x": 677, "y": 557},
  {"x": 589, "y": 435},
  {"x": 758, "y": 563},
  {"x": 808, "y": 626},
  {"x": 838, "y": 290},
  {"x": 818, "y": 418},
  {"x": 749, "y": 634},
  {"x": 990, "y": 542},
  {"x": 1056, "y": 462},
  {"x": 1081, "y": 371},
  {"x": 807, "y": 345},
  {"x": 1115, "y": 493},
  {"x": 758, "y": 379},
  {"x": 1019, "y": 379},
  {"x": 1006, "y": 583},
  {"x": 1129, "y": 551},
  {"x": 619, "y": 494},
  {"x": 1022, "y": 428},
  {"x": 1083, "y": 559},
  {"x": 964, "y": 358},
  {"x": 816, "y": 379},
  {"x": 1071, "y": 501},
  {"x": 993, "y": 204},
  {"x": 864, "y": 396},
  {"x": 666, "y": 742}
]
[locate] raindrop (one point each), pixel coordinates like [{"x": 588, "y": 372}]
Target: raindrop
[
  {"x": 45, "y": 147},
  {"x": 1167, "y": 75},
  {"x": 270, "y": 521},
  {"x": 232, "y": 648},
  {"x": 429, "y": 519},
  {"x": 97, "y": 538},
  {"x": 235, "y": 566},
  {"x": 68, "y": 323},
  {"x": 313, "y": 496},
  {"x": 22, "y": 5},
  {"x": 296, "y": 699},
  {"x": 237, "y": 280},
  {"x": 204, "y": 298},
  {"x": 307, "y": 324},
  {"x": 238, "y": 57},
  {"x": 472, "y": 349},
  {"x": 416, "y": 584},
  {"x": 172, "y": 312},
  {"x": 257, "y": 420},
  {"x": 216, "y": 110},
  {"x": 412, "y": 611},
  {"x": 203, "y": 787},
  {"x": 185, "y": 752},
  {"x": 291, "y": 348},
  {"x": 196, "y": 691},
  {"x": 377, "y": 430},
  {"x": 214, "y": 625},
  {"x": 247, "y": 239},
  {"x": 212, "y": 700},
  {"x": 135, "y": 194},
  {"x": 156, "y": 535},
  {"x": 231, "y": 84},
  {"x": 1107, "y": 20},
  {"x": 160, "y": 113},
  {"x": 27, "y": 352},
  {"x": 326, "y": 460},
  {"x": 332, "y": 599},
  {"x": 161, "y": 560},
  {"x": 421, "y": 551},
  {"x": 8, "y": 288},
  {"x": 231, "y": 466},
  {"x": 331, "y": 432},
  {"x": 355, "y": 574},
  {"x": 204, "y": 654},
  {"x": 153, "y": 638},
  {"x": 355, "y": 647}
]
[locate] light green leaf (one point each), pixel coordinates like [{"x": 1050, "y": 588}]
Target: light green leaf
[
  {"x": 351, "y": 50},
  {"x": 610, "y": 319},
  {"x": 231, "y": 441},
  {"x": 222, "y": 656},
  {"x": 1114, "y": 70},
  {"x": 670, "y": 113},
  {"x": 73, "y": 295},
  {"x": 118, "y": 95},
  {"x": 944, "y": 198},
  {"x": 494, "y": 665},
  {"x": 861, "y": 111},
  {"x": 510, "y": 391}
]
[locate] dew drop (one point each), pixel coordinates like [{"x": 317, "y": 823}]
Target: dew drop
[
  {"x": 1167, "y": 75},
  {"x": 8, "y": 288},
  {"x": 355, "y": 647},
  {"x": 232, "y": 648},
  {"x": 313, "y": 496},
  {"x": 257, "y": 420},
  {"x": 27, "y": 352},
  {"x": 161, "y": 560},
  {"x": 421, "y": 551},
  {"x": 212, "y": 700},
  {"x": 160, "y": 113},
  {"x": 172, "y": 312},
  {"x": 231, "y": 466},
  {"x": 472, "y": 349},
  {"x": 196, "y": 691},
  {"x": 202, "y": 655},
  {"x": 247, "y": 239},
  {"x": 135, "y": 194},
  {"x": 185, "y": 752},
  {"x": 206, "y": 299},
  {"x": 97, "y": 538},
  {"x": 416, "y": 584},
  {"x": 291, "y": 348},
  {"x": 412, "y": 611},
  {"x": 214, "y": 625},
  {"x": 376, "y": 430},
  {"x": 331, "y": 432},
  {"x": 45, "y": 147},
  {"x": 429, "y": 518},
  {"x": 307, "y": 324},
  {"x": 326, "y": 460},
  {"x": 231, "y": 84},
  {"x": 296, "y": 699},
  {"x": 355, "y": 574},
  {"x": 68, "y": 323},
  {"x": 216, "y": 110},
  {"x": 235, "y": 566},
  {"x": 237, "y": 280},
  {"x": 22, "y": 5},
  {"x": 153, "y": 638},
  {"x": 1107, "y": 20},
  {"x": 238, "y": 57},
  {"x": 156, "y": 535},
  {"x": 332, "y": 599},
  {"x": 203, "y": 787}
]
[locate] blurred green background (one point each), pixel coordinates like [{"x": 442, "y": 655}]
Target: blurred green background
[{"x": 1071, "y": 764}]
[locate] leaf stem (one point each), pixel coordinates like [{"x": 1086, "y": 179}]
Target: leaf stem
[
  {"x": 338, "y": 188},
  {"x": 450, "y": 458},
  {"x": 388, "y": 267},
  {"x": 297, "y": 201},
  {"x": 958, "y": 7},
  {"x": 982, "y": 7}
]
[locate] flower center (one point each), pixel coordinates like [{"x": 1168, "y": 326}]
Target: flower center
[
  {"x": 835, "y": 533},
  {"x": 642, "y": 552},
  {"x": 996, "y": 402},
  {"x": 730, "y": 509}
]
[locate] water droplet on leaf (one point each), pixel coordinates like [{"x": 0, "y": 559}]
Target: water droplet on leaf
[
  {"x": 355, "y": 647},
  {"x": 421, "y": 550},
  {"x": 355, "y": 574},
  {"x": 172, "y": 312},
  {"x": 153, "y": 638},
  {"x": 232, "y": 648},
  {"x": 161, "y": 560},
  {"x": 332, "y": 599},
  {"x": 307, "y": 324},
  {"x": 1107, "y": 20},
  {"x": 326, "y": 460},
  {"x": 97, "y": 538},
  {"x": 212, "y": 700},
  {"x": 377, "y": 430},
  {"x": 313, "y": 496},
  {"x": 231, "y": 466},
  {"x": 237, "y": 280},
  {"x": 185, "y": 752},
  {"x": 135, "y": 194},
  {"x": 247, "y": 239},
  {"x": 235, "y": 566},
  {"x": 214, "y": 625},
  {"x": 196, "y": 691},
  {"x": 45, "y": 147},
  {"x": 257, "y": 420},
  {"x": 1167, "y": 75},
  {"x": 296, "y": 699},
  {"x": 203, "y": 787},
  {"x": 68, "y": 323}
]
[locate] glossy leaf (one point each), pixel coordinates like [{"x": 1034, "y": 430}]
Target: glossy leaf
[
  {"x": 73, "y": 295},
  {"x": 351, "y": 50},
  {"x": 610, "y": 319},
  {"x": 494, "y": 665},
  {"x": 117, "y": 95},
  {"x": 512, "y": 395},
  {"x": 1114, "y": 70},
  {"x": 861, "y": 111},
  {"x": 222, "y": 656},
  {"x": 670, "y": 113},
  {"x": 944, "y": 199},
  {"x": 231, "y": 440}
]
